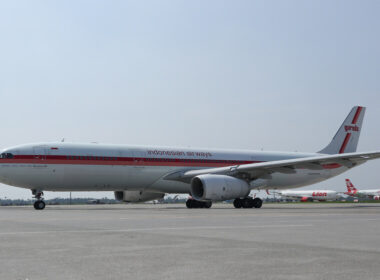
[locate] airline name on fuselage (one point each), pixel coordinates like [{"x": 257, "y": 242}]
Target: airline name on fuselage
[
  {"x": 351, "y": 128},
  {"x": 179, "y": 153},
  {"x": 319, "y": 194}
]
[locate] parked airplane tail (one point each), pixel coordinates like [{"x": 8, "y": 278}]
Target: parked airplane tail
[
  {"x": 350, "y": 187},
  {"x": 347, "y": 138}
]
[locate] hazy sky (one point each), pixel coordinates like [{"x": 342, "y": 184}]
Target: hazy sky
[{"x": 277, "y": 75}]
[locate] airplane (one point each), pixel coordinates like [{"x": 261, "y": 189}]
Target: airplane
[
  {"x": 139, "y": 173},
  {"x": 352, "y": 191},
  {"x": 310, "y": 195}
]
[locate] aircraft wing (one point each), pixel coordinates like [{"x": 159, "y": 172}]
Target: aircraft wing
[{"x": 263, "y": 170}]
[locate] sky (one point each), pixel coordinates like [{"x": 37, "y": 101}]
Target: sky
[{"x": 271, "y": 75}]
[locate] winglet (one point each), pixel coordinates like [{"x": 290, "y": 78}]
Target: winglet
[{"x": 347, "y": 137}]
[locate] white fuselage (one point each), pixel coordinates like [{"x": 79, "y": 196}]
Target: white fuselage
[
  {"x": 311, "y": 194},
  {"x": 373, "y": 192},
  {"x": 366, "y": 193},
  {"x": 97, "y": 167}
]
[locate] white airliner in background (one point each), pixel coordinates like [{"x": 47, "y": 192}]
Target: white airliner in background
[
  {"x": 146, "y": 173},
  {"x": 310, "y": 195},
  {"x": 352, "y": 191}
]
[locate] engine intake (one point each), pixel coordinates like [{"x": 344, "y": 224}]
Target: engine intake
[{"x": 218, "y": 187}]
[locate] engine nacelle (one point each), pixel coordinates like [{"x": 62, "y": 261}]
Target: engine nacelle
[
  {"x": 376, "y": 197},
  {"x": 137, "y": 196},
  {"x": 218, "y": 187}
]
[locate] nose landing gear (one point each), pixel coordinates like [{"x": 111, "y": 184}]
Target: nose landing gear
[{"x": 39, "y": 204}]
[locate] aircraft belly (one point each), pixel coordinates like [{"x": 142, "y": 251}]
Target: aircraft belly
[
  {"x": 170, "y": 186},
  {"x": 114, "y": 177},
  {"x": 31, "y": 175},
  {"x": 82, "y": 177},
  {"x": 143, "y": 176}
]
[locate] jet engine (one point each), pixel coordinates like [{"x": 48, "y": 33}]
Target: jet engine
[
  {"x": 137, "y": 196},
  {"x": 376, "y": 197},
  {"x": 218, "y": 187}
]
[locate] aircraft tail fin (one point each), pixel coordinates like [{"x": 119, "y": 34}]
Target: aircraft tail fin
[
  {"x": 350, "y": 187},
  {"x": 347, "y": 137}
]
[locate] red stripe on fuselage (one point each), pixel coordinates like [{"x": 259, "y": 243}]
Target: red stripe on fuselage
[
  {"x": 135, "y": 161},
  {"x": 129, "y": 161},
  {"x": 357, "y": 114}
]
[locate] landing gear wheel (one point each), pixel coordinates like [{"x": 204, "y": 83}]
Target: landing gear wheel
[
  {"x": 207, "y": 204},
  {"x": 189, "y": 203},
  {"x": 39, "y": 205},
  {"x": 257, "y": 202},
  {"x": 237, "y": 203},
  {"x": 192, "y": 203},
  {"x": 247, "y": 202}
]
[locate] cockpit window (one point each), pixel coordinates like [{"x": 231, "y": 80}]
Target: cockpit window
[{"x": 6, "y": 155}]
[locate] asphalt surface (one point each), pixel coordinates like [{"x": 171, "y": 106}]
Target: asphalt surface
[{"x": 293, "y": 241}]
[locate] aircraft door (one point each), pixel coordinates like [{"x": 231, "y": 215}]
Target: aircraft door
[
  {"x": 39, "y": 152},
  {"x": 138, "y": 158}
]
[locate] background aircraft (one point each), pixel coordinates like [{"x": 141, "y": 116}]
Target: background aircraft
[
  {"x": 310, "y": 195},
  {"x": 352, "y": 191}
]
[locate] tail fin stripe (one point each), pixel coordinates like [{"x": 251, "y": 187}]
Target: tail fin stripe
[
  {"x": 345, "y": 143},
  {"x": 347, "y": 137},
  {"x": 357, "y": 114}
]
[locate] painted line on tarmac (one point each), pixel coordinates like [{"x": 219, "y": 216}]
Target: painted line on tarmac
[{"x": 152, "y": 229}]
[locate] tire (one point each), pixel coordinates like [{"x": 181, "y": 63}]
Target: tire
[
  {"x": 39, "y": 205},
  {"x": 189, "y": 203},
  {"x": 257, "y": 202},
  {"x": 237, "y": 203},
  {"x": 248, "y": 203},
  {"x": 207, "y": 204}
]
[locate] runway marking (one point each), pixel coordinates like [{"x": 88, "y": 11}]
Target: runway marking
[{"x": 153, "y": 229}]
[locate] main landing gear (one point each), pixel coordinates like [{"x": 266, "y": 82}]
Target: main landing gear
[
  {"x": 192, "y": 203},
  {"x": 248, "y": 202},
  {"x": 39, "y": 204}
]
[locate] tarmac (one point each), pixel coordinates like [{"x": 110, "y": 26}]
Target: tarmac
[{"x": 146, "y": 241}]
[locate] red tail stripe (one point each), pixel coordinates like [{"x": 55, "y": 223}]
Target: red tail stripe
[
  {"x": 345, "y": 142},
  {"x": 357, "y": 114}
]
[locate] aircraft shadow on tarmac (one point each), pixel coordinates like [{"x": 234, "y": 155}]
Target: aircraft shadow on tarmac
[{"x": 214, "y": 207}]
